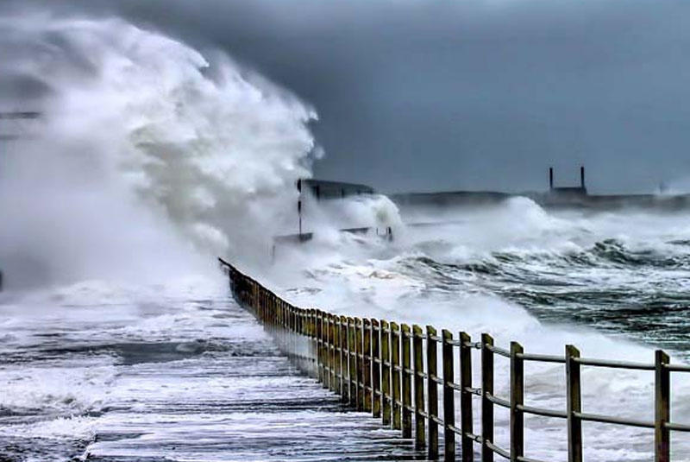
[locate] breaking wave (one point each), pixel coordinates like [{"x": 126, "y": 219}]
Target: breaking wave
[{"x": 139, "y": 132}]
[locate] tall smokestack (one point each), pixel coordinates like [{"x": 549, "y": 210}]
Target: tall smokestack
[
  {"x": 582, "y": 177},
  {"x": 550, "y": 177}
]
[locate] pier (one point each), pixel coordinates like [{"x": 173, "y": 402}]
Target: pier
[
  {"x": 256, "y": 406},
  {"x": 395, "y": 372}
]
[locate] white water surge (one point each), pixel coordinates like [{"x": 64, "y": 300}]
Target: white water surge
[
  {"x": 151, "y": 159},
  {"x": 614, "y": 284},
  {"x": 139, "y": 132}
]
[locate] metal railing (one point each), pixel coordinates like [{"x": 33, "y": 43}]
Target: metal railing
[{"x": 391, "y": 370}]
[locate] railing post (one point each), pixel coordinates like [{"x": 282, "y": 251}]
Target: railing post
[
  {"x": 342, "y": 334},
  {"x": 448, "y": 396},
  {"x": 375, "y": 369},
  {"x": 366, "y": 362},
  {"x": 406, "y": 382},
  {"x": 334, "y": 359},
  {"x": 466, "y": 423},
  {"x": 291, "y": 330},
  {"x": 352, "y": 367},
  {"x": 358, "y": 364},
  {"x": 386, "y": 373},
  {"x": 395, "y": 370},
  {"x": 319, "y": 344},
  {"x": 517, "y": 395},
  {"x": 417, "y": 347},
  {"x": 315, "y": 340},
  {"x": 432, "y": 391},
  {"x": 326, "y": 350},
  {"x": 487, "y": 405},
  {"x": 572, "y": 370},
  {"x": 662, "y": 392}
]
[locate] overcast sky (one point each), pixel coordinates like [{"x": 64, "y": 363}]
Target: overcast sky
[{"x": 460, "y": 94}]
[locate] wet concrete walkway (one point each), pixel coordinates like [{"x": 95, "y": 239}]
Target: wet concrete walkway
[{"x": 245, "y": 403}]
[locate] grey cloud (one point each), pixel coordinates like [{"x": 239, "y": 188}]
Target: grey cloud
[{"x": 432, "y": 95}]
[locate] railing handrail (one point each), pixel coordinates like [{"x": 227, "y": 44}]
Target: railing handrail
[{"x": 373, "y": 364}]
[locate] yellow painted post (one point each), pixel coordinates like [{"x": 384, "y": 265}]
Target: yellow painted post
[
  {"x": 517, "y": 395},
  {"x": 358, "y": 364},
  {"x": 395, "y": 361},
  {"x": 487, "y": 390},
  {"x": 313, "y": 344},
  {"x": 406, "y": 381},
  {"x": 332, "y": 320},
  {"x": 366, "y": 361},
  {"x": 448, "y": 396},
  {"x": 386, "y": 373},
  {"x": 662, "y": 392},
  {"x": 331, "y": 344},
  {"x": 466, "y": 423},
  {"x": 319, "y": 349},
  {"x": 432, "y": 391},
  {"x": 352, "y": 377},
  {"x": 574, "y": 404},
  {"x": 344, "y": 387},
  {"x": 323, "y": 335},
  {"x": 418, "y": 353},
  {"x": 376, "y": 369}
]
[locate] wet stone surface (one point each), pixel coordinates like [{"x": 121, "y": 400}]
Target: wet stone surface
[{"x": 181, "y": 397}]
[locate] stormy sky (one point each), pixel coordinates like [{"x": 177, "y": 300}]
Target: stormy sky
[{"x": 458, "y": 94}]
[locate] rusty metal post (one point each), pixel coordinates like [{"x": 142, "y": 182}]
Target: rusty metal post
[
  {"x": 574, "y": 405},
  {"x": 487, "y": 390},
  {"x": 432, "y": 391},
  {"x": 448, "y": 396},
  {"x": 662, "y": 392}
]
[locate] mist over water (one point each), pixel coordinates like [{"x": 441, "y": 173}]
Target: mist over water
[{"x": 152, "y": 158}]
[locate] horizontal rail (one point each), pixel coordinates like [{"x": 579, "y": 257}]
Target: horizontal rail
[
  {"x": 496, "y": 400},
  {"x": 678, "y": 427},
  {"x": 613, "y": 420},
  {"x": 615, "y": 364},
  {"x": 498, "y": 450},
  {"x": 542, "y": 358},
  {"x": 677, "y": 367},
  {"x": 498, "y": 350},
  {"x": 542, "y": 412}
]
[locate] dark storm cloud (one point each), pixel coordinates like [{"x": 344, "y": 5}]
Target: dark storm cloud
[{"x": 465, "y": 95}]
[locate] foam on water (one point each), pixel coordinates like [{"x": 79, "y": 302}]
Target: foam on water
[{"x": 545, "y": 279}]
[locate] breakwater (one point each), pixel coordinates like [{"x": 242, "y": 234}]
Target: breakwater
[{"x": 411, "y": 378}]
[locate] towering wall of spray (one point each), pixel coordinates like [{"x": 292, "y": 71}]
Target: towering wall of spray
[{"x": 139, "y": 132}]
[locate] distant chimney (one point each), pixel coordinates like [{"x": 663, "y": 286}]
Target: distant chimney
[
  {"x": 582, "y": 177},
  {"x": 550, "y": 177}
]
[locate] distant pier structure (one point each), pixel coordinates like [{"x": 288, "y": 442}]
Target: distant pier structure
[{"x": 572, "y": 191}]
